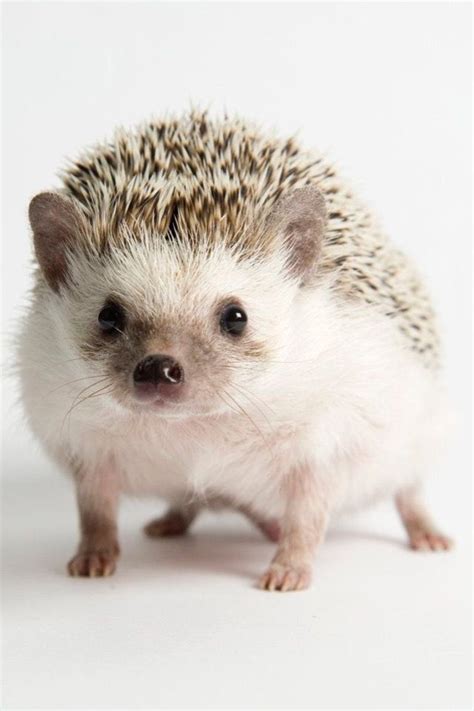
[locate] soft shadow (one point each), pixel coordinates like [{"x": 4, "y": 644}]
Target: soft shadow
[
  {"x": 226, "y": 547},
  {"x": 344, "y": 536},
  {"x": 241, "y": 554}
]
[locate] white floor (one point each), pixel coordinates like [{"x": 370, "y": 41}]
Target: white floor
[{"x": 182, "y": 625}]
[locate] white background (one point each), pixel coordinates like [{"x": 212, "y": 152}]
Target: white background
[{"x": 385, "y": 89}]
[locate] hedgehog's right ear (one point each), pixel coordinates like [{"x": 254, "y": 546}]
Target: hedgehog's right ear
[
  {"x": 299, "y": 219},
  {"x": 56, "y": 223}
]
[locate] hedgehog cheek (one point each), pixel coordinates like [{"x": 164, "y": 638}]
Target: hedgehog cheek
[
  {"x": 56, "y": 225},
  {"x": 299, "y": 220}
]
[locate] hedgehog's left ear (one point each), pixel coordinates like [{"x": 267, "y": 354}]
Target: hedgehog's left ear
[
  {"x": 300, "y": 220},
  {"x": 56, "y": 224}
]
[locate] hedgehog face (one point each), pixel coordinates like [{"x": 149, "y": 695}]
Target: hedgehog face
[
  {"x": 175, "y": 332},
  {"x": 178, "y": 327}
]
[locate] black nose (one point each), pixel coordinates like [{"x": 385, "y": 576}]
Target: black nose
[{"x": 158, "y": 369}]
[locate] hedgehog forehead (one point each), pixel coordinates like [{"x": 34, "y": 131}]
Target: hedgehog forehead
[{"x": 154, "y": 277}]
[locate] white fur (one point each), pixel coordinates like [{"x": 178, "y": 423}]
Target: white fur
[{"x": 340, "y": 389}]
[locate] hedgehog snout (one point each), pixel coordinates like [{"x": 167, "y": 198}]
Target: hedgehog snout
[{"x": 157, "y": 375}]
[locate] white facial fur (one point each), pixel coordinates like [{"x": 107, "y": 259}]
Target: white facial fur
[{"x": 172, "y": 299}]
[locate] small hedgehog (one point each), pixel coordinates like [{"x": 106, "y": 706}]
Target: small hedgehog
[{"x": 217, "y": 321}]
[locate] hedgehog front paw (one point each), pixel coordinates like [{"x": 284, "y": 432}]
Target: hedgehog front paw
[
  {"x": 428, "y": 540},
  {"x": 93, "y": 564},
  {"x": 285, "y": 578}
]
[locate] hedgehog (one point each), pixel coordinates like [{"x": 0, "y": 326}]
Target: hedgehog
[{"x": 217, "y": 321}]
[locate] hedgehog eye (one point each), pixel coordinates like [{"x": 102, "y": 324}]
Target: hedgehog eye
[
  {"x": 111, "y": 318},
  {"x": 233, "y": 320}
]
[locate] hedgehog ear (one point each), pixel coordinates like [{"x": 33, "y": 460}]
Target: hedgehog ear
[
  {"x": 56, "y": 223},
  {"x": 300, "y": 220}
]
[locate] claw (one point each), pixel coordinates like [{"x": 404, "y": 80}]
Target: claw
[
  {"x": 92, "y": 565},
  {"x": 285, "y": 578}
]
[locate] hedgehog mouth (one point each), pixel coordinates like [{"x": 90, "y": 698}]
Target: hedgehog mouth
[
  {"x": 158, "y": 403},
  {"x": 178, "y": 402},
  {"x": 162, "y": 406},
  {"x": 165, "y": 409}
]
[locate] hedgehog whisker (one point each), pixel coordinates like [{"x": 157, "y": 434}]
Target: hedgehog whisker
[
  {"x": 105, "y": 390},
  {"x": 76, "y": 380},
  {"x": 32, "y": 362},
  {"x": 77, "y": 400},
  {"x": 250, "y": 419},
  {"x": 253, "y": 399}
]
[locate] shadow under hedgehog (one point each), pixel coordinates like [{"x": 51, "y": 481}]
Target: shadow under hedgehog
[{"x": 217, "y": 321}]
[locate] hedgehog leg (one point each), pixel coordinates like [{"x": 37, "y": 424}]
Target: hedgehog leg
[
  {"x": 303, "y": 528},
  {"x": 175, "y": 522},
  {"x": 423, "y": 535},
  {"x": 97, "y": 496}
]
